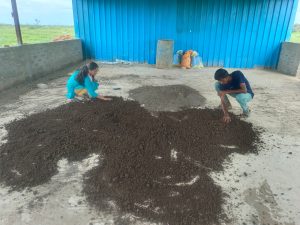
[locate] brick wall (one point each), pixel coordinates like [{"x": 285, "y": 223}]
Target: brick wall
[{"x": 25, "y": 62}]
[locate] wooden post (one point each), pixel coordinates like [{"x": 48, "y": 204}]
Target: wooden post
[{"x": 16, "y": 20}]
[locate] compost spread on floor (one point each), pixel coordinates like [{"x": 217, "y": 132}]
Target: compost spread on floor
[{"x": 154, "y": 167}]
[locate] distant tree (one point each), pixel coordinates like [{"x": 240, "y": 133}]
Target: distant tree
[{"x": 37, "y": 22}]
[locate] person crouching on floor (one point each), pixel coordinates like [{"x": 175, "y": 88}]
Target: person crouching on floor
[
  {"x": 82, "y": 82},
  {"x": 237, "y": 86}
]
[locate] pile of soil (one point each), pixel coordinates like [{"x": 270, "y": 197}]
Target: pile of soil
[
  {"x": 154, "y": 167},
  {"x": 167, "y": 98}
]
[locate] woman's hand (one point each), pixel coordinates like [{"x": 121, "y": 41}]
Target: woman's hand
[
  {"x": 104, "y": 98},
  {"x": 226, "y": 118}
]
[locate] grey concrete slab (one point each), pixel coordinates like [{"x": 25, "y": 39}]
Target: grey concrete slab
[
  {"x": 289, "y": 59},
  {"x": 269, "y": 194}
]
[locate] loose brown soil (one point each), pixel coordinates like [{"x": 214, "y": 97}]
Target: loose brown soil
[{"x": 156, "y": 168}]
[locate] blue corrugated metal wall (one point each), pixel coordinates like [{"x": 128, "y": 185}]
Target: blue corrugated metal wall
[{"x": 229, "y": 33}]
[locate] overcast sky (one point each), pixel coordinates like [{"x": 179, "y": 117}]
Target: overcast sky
[
  {"x": 297, "y": 20},
  {"x": 49, "y": 12}
]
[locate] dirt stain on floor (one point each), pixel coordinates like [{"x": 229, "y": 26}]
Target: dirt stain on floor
[
  {"x": 263, "y": 201},
  {"x": 167, "y": 98}
]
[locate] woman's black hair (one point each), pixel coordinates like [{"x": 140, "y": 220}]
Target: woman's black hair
[{"x": 84, "y": 71}]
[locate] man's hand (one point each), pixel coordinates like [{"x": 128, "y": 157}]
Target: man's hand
[
  {"x": 226, "y": 118},
  {"x": 222, "y": 94}
]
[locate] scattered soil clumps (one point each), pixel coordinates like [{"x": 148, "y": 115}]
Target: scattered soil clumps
[{"x": 156, "y": 168}]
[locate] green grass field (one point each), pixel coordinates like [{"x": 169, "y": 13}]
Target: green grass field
[
  {"x": 295, "y": 37},
  {"x": 33, "y": 34},
  {"x": 38, "y": 34}
]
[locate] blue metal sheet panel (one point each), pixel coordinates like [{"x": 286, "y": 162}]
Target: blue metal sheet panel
[
  {"x": 229, "y": 33},
  {"x": 250, "y": 34}
]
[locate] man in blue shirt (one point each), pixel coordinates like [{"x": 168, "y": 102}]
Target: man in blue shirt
[{"x": 237, "y": 86}]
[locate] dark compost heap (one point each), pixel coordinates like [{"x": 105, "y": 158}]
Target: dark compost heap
[{"x": 138, "y": 171}]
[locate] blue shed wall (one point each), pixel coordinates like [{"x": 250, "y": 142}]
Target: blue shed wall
[{"x": 229, "y": 33}]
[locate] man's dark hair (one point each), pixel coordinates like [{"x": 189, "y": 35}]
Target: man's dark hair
[{"x": 220, "y": 74}]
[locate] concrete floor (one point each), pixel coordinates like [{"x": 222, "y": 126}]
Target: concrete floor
[{"x": 262, "y": 189}]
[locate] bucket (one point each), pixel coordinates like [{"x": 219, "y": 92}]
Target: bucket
[{"x": 164, "y": 54}]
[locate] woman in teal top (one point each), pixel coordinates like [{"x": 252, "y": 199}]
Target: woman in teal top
[{"x": 83, "y": 81}]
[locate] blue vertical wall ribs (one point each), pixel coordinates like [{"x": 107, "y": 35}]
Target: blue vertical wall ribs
[{"x": 229, "y": 33}]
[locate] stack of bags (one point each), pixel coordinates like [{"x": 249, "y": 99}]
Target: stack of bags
[{"x": 187, "y": 59}]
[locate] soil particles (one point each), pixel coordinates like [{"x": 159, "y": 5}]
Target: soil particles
[
  {"x": 167, "y": 98},
  {"x": 156, "y": 168}
]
